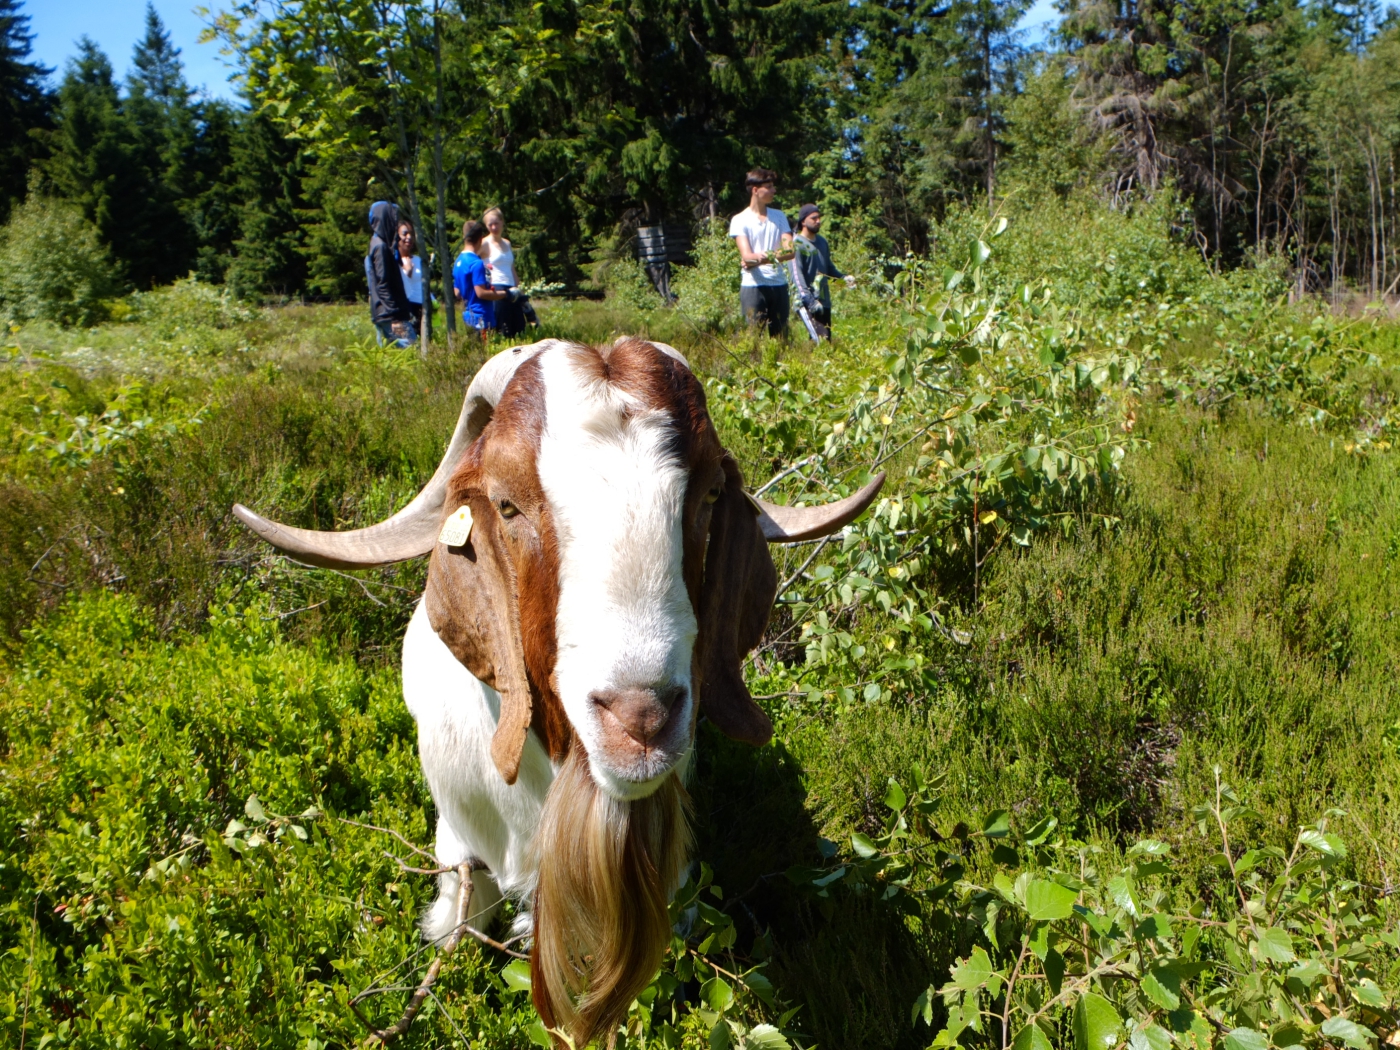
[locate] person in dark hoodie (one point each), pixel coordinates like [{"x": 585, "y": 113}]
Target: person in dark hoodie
[{"x": 389, "y": 307}]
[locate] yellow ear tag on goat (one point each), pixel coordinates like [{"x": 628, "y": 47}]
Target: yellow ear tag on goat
[{"x": 457, "y": 529}]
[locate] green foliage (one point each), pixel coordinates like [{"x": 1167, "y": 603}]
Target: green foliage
[
  {"x": 626, "y": 281},
  {"x": 186, "y": 304},
  {"x": 1095, "y": 258},
  {"x": 1072, "y": 944},
  {"x": 1215, "y": 593},
  {"x": 144, "y": 848},
  {"x": 707, "y": 294},
  {"x": 53, "y": 266},
  {"x": 22, "y": 84}
]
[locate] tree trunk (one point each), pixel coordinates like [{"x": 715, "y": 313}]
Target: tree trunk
[{"x": 444, "y": 253}]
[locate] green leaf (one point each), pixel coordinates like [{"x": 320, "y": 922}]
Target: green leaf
[
  {"x": 1163, "y": 987},
  {"x": 862, "y": 845},
  {"x": 1189, "y": 936},
  {"x": 1158, "y": 926},
  {"x": 1122, "y": 891},
  {"x": 254, "y": 809},
  {"x": 1096, "y": 1024},
  {"x": 765, "y": 1037},
  {"x": 997, "y": 825},
  {"x": 1307, "y": 971},
  {"x": 1246, "y": 1039},
  {"x": 760, "y": 985},
  {"x": 1047, "y": 901},
  {"x": 974, "y": 973},
  {"x": 1327, "y": 845},
  {"x": 517, "y": 976},
  {"x": 1369, "y": 993},
  {"x": 720, "y": 1038},
  {"x": 1354, "y": 1035},
  {"x": 1274, "y": 945},
  {"x": 895, "y": 798},
  {"x": 1005, "y": 887},
  {"x": 1151, "y": 1037},
  {"x": 717, "y": 994},
  {"x": 1030, "y": 1038},
  {"x": 1054, "y": 970},
  {"x": 539, "y": 1035},
  {"x": 923, "y": 1006},
  {"x": 1042, "y": 830}
]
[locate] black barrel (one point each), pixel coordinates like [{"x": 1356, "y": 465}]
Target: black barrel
[{"x": 667, "y": 243}]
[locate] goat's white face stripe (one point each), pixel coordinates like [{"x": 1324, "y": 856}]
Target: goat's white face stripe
[{"x": 617, "y": 496}]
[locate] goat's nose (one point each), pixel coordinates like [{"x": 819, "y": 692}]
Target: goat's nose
[{"x": 642, "y": 712}]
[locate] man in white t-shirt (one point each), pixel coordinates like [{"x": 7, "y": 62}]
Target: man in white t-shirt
[{"x": 764, "y": 240}]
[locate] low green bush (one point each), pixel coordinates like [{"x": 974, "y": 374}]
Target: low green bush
[
  {"x": 152, "y": 894},
  {"x": 1066, "y": 944},
  {"x": 53, "y": 265}
]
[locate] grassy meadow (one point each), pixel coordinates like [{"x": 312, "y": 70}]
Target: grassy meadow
[{"x": 1141, "y": 537}]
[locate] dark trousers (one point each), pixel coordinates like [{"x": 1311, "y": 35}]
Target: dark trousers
[
  {"x": 510, "y": 316},
  {"x": 766, "y": 304}
]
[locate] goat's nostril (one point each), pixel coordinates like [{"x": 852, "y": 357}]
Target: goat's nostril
[{"x": 642, "y": 713}]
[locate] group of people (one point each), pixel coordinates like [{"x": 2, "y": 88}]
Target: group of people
[
  {"x": 483, "y": 277},
  {"x": 766, "y": 242}
]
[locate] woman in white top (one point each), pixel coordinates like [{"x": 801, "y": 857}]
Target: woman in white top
[
  {"x": 412, "y": 268},
  {"x": 500, "y": 262}
]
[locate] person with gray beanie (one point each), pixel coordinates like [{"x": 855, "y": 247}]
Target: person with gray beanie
[{"x": 812, "y": 266}]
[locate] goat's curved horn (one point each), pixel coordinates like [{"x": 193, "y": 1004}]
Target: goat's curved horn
[
  {"x": 795, "y": 524},
  {"x": 411, "y": 532}
]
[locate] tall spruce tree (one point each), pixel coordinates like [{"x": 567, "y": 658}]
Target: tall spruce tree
[
  {"x": 25, "y": 105},
  {"x": 166, "y": 129},
  {"x": 102, "y": 163}
]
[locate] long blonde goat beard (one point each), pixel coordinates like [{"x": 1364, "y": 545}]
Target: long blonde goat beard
[{"x": 607, "y": 871}]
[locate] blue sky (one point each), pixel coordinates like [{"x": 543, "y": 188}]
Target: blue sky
[{"x": 116, "y": 25}]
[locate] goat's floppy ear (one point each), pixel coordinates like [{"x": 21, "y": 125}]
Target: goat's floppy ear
[
  {"x": 472, "y": 606},
  {"x": 736, "y": 599}
]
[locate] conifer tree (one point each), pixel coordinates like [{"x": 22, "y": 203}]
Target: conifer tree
[
  {"x": 104, "y": 164},
  {"x": 25, "y": 104}
]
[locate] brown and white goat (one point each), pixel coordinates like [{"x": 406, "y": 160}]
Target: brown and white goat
[{"x": 615, "y": 576}]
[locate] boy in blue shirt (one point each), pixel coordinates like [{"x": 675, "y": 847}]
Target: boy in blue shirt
[{"x": 473, "y": 284}]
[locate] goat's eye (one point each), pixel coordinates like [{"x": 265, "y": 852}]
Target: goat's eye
[
  {"x": 507, "y": 508},
  {"x": 713, "y": 495}
]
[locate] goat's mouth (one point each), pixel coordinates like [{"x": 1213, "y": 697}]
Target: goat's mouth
[{"x": 631, "y": 761}]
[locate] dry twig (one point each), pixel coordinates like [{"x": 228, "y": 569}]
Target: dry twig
[{"x": 380, "y": 1036}]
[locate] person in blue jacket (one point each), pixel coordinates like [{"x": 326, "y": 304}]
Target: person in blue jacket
[
  {"x": 472, "y": 284},
  {"x": 389, "y": 308}
]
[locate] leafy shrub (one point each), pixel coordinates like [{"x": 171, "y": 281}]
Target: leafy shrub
[
  {"x": 1283, "y": 949},
  {"x": 626, "y": 280},
  {"x": 53, "y": 265},
  {"x": 187, "y": 304},
  {"x": 1093, "y": 257},
  {"x": 707, "y": 293}
]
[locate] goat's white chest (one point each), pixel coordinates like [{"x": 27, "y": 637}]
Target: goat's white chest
[{"x": 480, "y": 816}]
